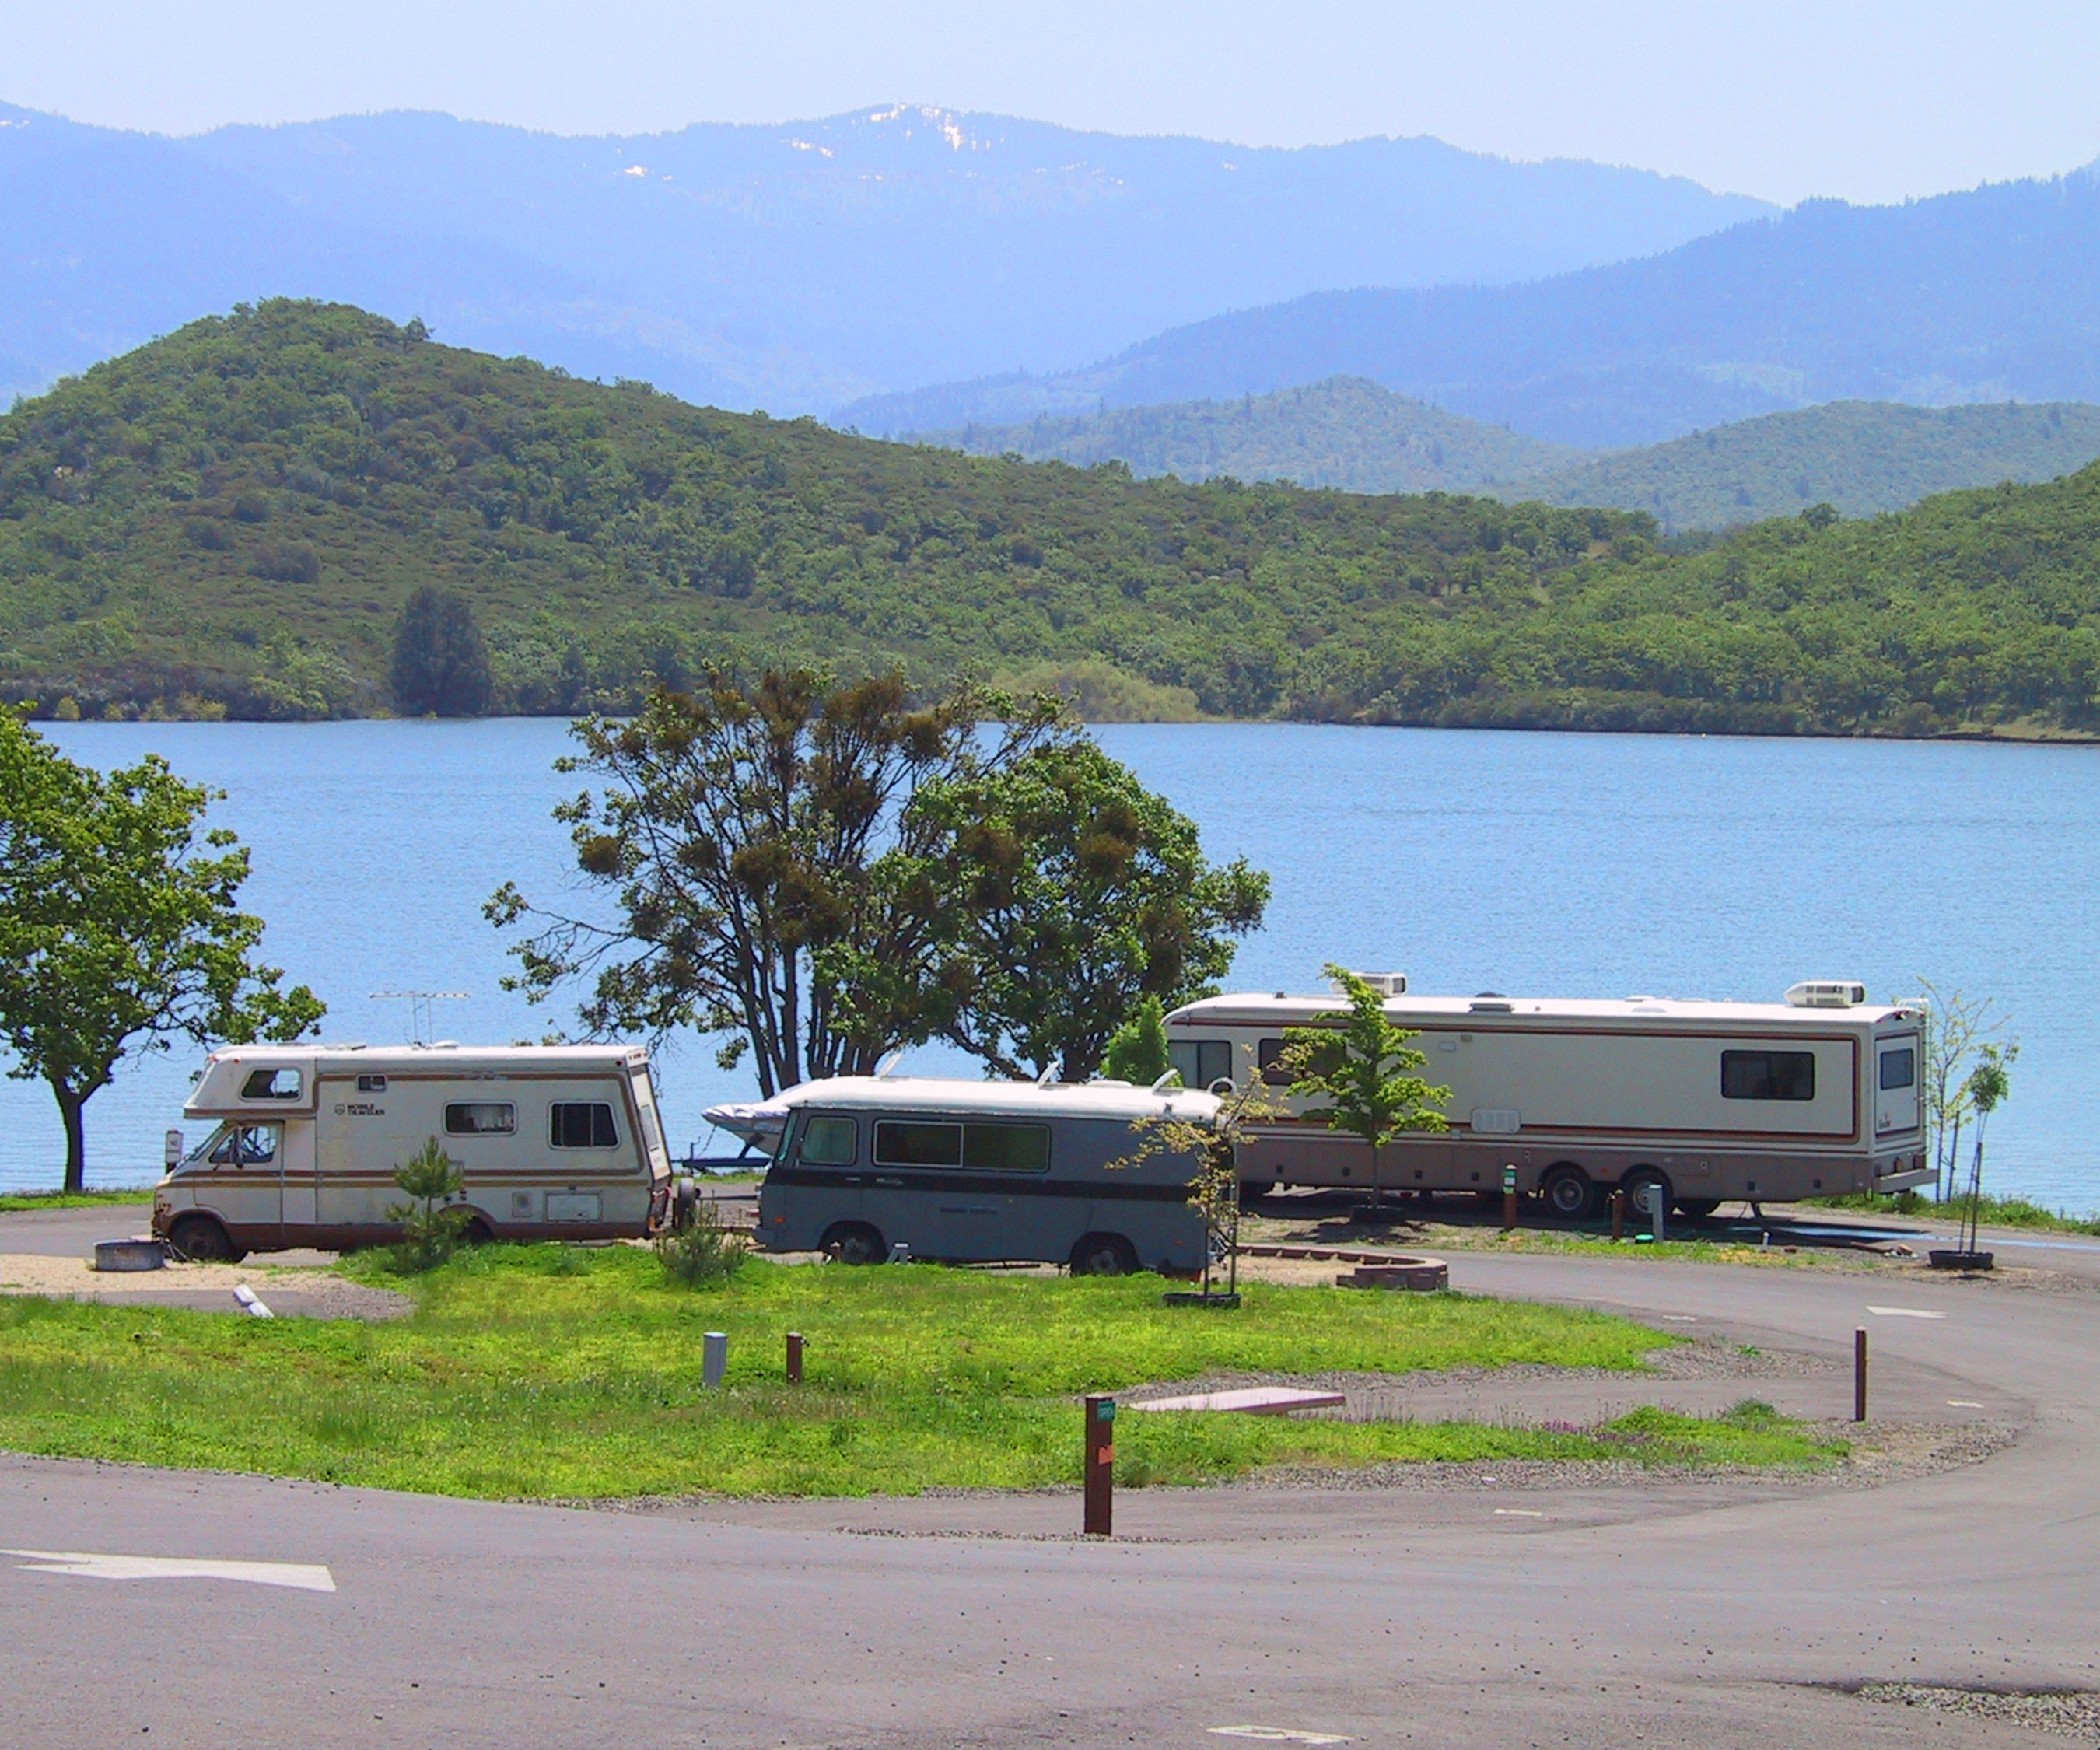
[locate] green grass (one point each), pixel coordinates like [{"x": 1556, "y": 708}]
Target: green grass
[
  {"x": 538, "y": 1371},
  {"x": 1990, "y": 1212},
  {"x": 12, "y": 1202}
]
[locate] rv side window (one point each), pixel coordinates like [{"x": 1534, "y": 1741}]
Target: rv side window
[
  {"x": 271, "y": 1084},
  {"x": 830, "y": 1142},
  {"x": 1898, "y": 1069},
  {"x": 372, "y": 1084},
  {"x": 1269, "y": 1055},
  {"x": 1006, "y": 1148},
  {"x": 481, "y": 1117},
  {"x": 1202, "y": 1061},
  {"x": 898, "y": 1144},
  {"x": 1768, "y": 1075},
  {"x": 581, "y": 1124}
]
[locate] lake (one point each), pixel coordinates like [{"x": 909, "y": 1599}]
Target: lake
[{"x": 1541, "y": 865}]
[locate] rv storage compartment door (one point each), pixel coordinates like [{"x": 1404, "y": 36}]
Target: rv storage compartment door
[{"x": 572, "y": 1205}]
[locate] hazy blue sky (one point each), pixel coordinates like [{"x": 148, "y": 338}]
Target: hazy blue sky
[{"x": 1872, "y": 101}]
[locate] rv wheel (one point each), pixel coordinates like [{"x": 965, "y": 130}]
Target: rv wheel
[
  {"x": 1105, "y": 1254},
  {"x": 1568, "y": 1193},
  {"x": 477, "y": 1233},
  {"x": 1640, "y": 1177},
  {"x": 201, "y": 1241},
  {"x": 853, "y": 1242}
]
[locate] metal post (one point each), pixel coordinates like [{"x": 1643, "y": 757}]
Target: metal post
[
  {"x": 1657, "y": 1203},
  {"x": 1859, "y": 1374},
  {"x": 794, "y": 1358},
  {"x": 1618, "y": 1215},
  {"x": 1509, "y": 1198},
  {"x": 714, "y": 1358},
  {"x": 1099, "y": 1466}
]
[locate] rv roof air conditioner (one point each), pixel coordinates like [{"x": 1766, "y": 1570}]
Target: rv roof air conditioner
[
  {"x": 1825, "y": 993},
  {"x": 1385, "y": 983}
]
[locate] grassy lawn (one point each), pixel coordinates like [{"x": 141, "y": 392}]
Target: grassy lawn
[
  {"x": 539, "y": 1371},
  {"x": 13, "y": 1201}
]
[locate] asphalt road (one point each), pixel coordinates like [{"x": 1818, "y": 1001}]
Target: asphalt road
[{"x": 1693, "y": 1613}]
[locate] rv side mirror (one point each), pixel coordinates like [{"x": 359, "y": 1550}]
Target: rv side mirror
[{"x": 171, "y": 1148}]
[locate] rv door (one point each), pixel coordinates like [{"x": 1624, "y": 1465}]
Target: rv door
[{"x": 1897, "y": 1068}]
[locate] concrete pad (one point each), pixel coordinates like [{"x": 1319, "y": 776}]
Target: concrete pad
[{"x": 1251, "y": 1400}]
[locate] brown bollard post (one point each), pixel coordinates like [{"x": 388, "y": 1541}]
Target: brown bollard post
[
  {"x": 1509, "y": 1198},
  {"x": 794, "y": 1358},
  {"x": 1859, "y": 1374},
  {"x": 1618, "y": 1216},
  {"x": 1099, "y": 1466}
]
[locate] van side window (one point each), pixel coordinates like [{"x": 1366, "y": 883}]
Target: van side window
[
  {"x": 1768, "y": 1075},
  {"x": 1202, "y": 1061},
  {"x": 830, "y": 1142},
  {"x": 481, "y": 1117},
  {"x": 1898, "y": 1069},
  {"x": 1006, "y": 1148},
  {"x": 251, "y": 1145},
  {"x": 581, "y": 1124},
  {"x": 902, "y": 1144},
  {"x": 271, "y": 1084}
]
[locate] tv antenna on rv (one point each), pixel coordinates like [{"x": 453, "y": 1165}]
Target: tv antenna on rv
[{"x": 422, "y": 1013}]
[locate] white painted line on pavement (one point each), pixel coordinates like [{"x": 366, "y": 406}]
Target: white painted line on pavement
[
  {"x": 1517, "y": 1513},
  {"x": 1679, "y": 1318},
  {"x": 1277, "y": 1734},
  {"x": 1904, "y": 1312},
  {"x": 300, "y": 1576},
  {"x": 1963, "y": 1404}
]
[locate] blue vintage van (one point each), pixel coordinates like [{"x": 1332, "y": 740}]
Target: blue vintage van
[{"x": 980, "y": 1172}]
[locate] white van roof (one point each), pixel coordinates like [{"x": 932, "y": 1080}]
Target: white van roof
[{"x": 1083, "y": 1099}]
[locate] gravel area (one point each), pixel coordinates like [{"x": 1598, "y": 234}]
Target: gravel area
[
  {"x": 307, "y": 1294},
  {"x": 2075, "y": 1714}
]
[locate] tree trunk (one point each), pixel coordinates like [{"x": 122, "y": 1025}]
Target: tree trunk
[{"x": 69, "y": 1110}]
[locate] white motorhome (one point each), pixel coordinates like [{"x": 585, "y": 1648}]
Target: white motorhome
[
  {"x": 552, "y": 1142},
  {"x": 1817, "y": 1095}
]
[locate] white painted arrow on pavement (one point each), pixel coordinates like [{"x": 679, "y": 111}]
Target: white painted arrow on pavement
[
  {"x": 1904, "y": 1312},
  {"x": 300, "y": 1576}
]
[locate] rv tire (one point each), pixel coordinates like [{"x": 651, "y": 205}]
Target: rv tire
[
  {"x": 1568, "y": 1193},
  {"x": 200, "y": 1240},
  {"x": 1104, "y": 1255},
  {"x": 1631, "y": 1182},
  {"x": 855, "y": 1242},
  {"x": 477, "y": 1233}
]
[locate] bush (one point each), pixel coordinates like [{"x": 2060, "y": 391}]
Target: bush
[
  {"x": 703, "y": 1254},
  {"x": 430, "y": 1228}
]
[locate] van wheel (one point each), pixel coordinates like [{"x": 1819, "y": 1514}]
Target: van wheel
[
  {"x": 1569, "y": 1196},
  {"x": 201, "y": 1241},
  {"x": 1105, "y": 1254},
  {"x": 1697, "y": 1209},
  {"x": 855, "y": 1242}
]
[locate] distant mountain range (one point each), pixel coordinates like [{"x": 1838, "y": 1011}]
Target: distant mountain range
[
  {"x": 1991, "y": 295},
  {"x": 793, "y": 267},
  {"x": 1861, "y": 457}
]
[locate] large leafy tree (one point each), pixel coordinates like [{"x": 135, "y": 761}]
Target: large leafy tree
[
  {"x": 772, "y": 880},
  {"x": 1076, "y": 893},
  {"x": 440, "y": 666},
  {"x": 120, "y": 929}
]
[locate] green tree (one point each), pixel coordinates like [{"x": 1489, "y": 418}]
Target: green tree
[
  {"x": 1361, "y": 1065},
  {"x": 1071, "y": 892},
  {"x": 119, "y": 929},
  {"x": 431, "y": 1223},
  {"x": 1137, "y": 1049},
  {"x": 440, "y": 663},
  {"x": 774, "y": 881}
]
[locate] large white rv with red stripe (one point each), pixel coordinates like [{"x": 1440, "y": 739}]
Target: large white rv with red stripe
[{"x": 1715, "y": 1101}]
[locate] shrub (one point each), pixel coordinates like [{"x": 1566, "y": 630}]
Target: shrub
[
  {"x": 703, "y": 1253},
  {"x": 431, "y": 1229}
]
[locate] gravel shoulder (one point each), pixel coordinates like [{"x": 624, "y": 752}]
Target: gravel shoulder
[{"x": 288, "y": 1292}]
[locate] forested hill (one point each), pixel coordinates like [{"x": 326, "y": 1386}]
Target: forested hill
[
  {"x": 1861, "y": 456},
  {"x": 231, "y": 518}
]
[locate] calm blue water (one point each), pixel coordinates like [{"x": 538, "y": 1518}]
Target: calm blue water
[{"x": 1546, "y": 864}]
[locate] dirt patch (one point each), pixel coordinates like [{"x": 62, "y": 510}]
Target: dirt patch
[
  {"x": 309, "y": 1293},
  {"x": 2075, "y": 1714}
]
